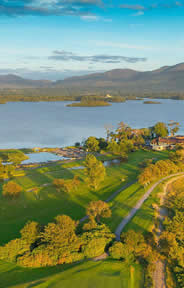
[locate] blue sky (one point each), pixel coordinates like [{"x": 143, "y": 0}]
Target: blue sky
[{"x": 54, "y": 39}]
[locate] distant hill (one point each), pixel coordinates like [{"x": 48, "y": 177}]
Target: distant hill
[
  {"x": 167, "y": 78},
  {"x": 13, "y": 81}
]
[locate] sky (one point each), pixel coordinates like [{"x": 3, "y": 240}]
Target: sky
[{"x": 55, "y": 39}]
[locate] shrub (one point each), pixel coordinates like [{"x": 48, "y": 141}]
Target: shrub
[
  {"x": 116, "y": 251},
  {"x": 94, "y": 248}
]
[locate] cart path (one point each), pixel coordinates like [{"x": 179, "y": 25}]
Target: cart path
[
  {"x": 159, "y": 280},
  {"x": 135, "y": 209}
]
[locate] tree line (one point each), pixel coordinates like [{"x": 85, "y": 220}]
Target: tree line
[{"x": 172, "y": 238}]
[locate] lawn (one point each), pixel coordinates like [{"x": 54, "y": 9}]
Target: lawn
[
  {"x": 49, "y": 203},
  {"x": 143, "y": 221},
  {"x": 107, "y": 274}
]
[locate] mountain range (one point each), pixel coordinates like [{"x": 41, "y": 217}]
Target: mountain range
[{"x": 167, "y": 78}]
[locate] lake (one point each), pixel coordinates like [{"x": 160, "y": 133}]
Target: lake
[
  {"x": 52, "y": 124},
  {"x": 42, "y": 157}
]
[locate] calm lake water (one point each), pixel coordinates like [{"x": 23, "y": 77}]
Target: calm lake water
[
  {"x": 51, "y": 124},
  {"x": 42, "y": 157}
]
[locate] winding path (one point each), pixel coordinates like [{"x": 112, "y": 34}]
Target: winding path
[
  {"x": 134, "y": 210},
  {"x": 159, "y": 280}
]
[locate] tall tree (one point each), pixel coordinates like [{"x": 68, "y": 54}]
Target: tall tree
[
  {"x": 92, "y": 144},
  {"x": 160, "y": 130},
  {"x": 94, "y": 170},
  {"x": 174, "y": 127}
]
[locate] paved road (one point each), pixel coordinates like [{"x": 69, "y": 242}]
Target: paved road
[{"x": 134, "y": 210}]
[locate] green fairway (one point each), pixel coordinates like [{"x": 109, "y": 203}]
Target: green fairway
[
  {"x": 44, "y": 205},
  {"x": 108, "y": 274},
  {"x": 123, "y": 203},
  {"x": 48, "y": 203},
  {"x": 143, "y": 221}
]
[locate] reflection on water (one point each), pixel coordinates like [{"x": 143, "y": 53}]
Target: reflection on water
[{"x": 111, "y": 162}]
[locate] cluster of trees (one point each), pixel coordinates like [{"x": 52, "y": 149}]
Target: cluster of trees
[
  {"x": 177, "y": 156},
  {"x": 172, "y": 239},
  {"x": 93, "y": 144},
  {"x": 161, "y": 168},
  {"x": 6, "y": 171},
  {"x": 69, "y": 92},
  {"x": 66, "y": 185},
  {"x": 57, "y": 94},
  {"x": 119, "y": 142},
  {"x": 162, "y": 129},
  {"x": 61, "y": 241},
  {"x": 125, "y": 139},
  {"x": 134, "y": 247},
  {"x": 9, "y": 160},
  {"x": 11, "y": 190},
  {"x": 37, "y": 95}
]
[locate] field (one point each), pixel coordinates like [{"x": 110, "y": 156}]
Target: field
[
  {"x": 43, "y": 205},
  {"x": 47, "y": 203},
  {"x": 105, "y": 274}
]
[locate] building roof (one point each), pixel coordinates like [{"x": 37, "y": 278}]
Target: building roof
[{"x": 169, "y": 140}]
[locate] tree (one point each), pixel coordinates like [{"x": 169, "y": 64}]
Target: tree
[
  {"x": 60, "y": 233},
  {"x": 90, "y": 225},
  {"x": 11, "y": 189},
  {"x": 66, "y": 185},
  {"x": 58, "y": 183},
  {"x": 17, "y": 157},
  {"x": 177, "y": 156},
  {"x": 92, "y": 144},
  {"x": 31, "y": 232},
  {"x": 160, "y": 130},
  {"x": 113, "y": 147},
  {"x": 108, "y": 128},
  {"x": 123, "y": 131},
  {"x": 174, "y": 127},
  {"x": 95, "y": 241},
  {"x": 102, "y": 143},
  {"x": 98, "y": 209},
  {"x": 116, "y": 251},
  {"x": 6, "y": 171},
  {"x": 94, "y": 170}
]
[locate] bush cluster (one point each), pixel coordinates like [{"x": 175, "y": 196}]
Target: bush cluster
[
  {"x": 161, "y": 168},
  {"x": 58, "y": 242}
]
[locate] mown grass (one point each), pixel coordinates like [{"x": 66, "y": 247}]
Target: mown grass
[
  {"x": 144, "y": 219},
  {"x": 48, "y": 203},
  {"x": 105, "y": 274}
]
